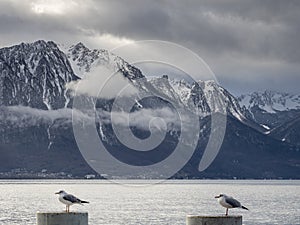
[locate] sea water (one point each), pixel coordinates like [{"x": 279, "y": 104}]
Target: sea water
[{"x": 152, "y": 202}]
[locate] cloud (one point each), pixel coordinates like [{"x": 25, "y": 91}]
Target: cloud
[
  {"x": 159, "y": 119},
  {"x": 233, "y": 37},
  {"x": 22, "y": 116},
  {"x": 109, "y": 41},
  {"x": 53, "y": 7},
  {"x": 101, "y": 82}
]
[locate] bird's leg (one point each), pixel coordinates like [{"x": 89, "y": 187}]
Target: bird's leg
[
  {"x": 226, "y": 212},
  {"x": 66, "y": 208}
]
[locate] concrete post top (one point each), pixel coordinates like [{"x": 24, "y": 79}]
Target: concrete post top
[
  {"x": 217, "y": 216},
  {"x": 62, "y": 218},
  {"x": 61, "y": 212},
  {"x": 213, "y": 220}
]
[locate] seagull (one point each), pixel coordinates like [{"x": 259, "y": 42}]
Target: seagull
[
  {"x": 68, "y": 199},
  {"x": 229, "y": 202}
]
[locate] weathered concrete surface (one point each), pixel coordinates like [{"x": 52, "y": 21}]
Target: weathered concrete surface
[
  {"x": 62, "y": 218},
  {"x": 213, "y": 220}
]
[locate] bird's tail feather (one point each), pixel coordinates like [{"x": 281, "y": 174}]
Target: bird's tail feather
[
  {"x": 243, "y": 207},
  {"x": 84, "y": 202}
]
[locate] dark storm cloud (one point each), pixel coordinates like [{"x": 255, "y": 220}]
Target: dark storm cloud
[
  {"x": 19, "y": 23},
  {"x": 269, "y": 29},
  {"x": 248, "y": 43}
]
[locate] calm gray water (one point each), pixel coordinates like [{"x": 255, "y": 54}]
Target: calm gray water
[{"x": 270, "y": 202}]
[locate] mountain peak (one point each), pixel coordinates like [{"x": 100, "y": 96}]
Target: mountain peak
[
  {"x": 79, "y": 47},
  {"x": 39, "y": 44},
  {"x": 84, "y": 59},
  {"x": 44, "y": 43}
]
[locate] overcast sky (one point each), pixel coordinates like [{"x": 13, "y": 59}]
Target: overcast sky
[{"x": 249, "y": 45}]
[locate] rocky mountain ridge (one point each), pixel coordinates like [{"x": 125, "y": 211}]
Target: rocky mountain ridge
[{"x": 270, "y": 108}]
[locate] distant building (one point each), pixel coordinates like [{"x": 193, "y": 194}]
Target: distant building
[{"x": 89, "y": 176}]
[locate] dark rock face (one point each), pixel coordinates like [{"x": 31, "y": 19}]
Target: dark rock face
[
  {"x": 197, "y": 99},
  {"x": 288, "y": 132},
  {"x": 248, "y": 153}
]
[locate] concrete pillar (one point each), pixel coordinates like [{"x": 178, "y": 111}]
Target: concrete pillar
[
  {"x": 62, "y": 218},
  {"x": 213, "y": 220}
]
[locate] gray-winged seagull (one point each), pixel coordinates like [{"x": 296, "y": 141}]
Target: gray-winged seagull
[
  {"x": 69, "y": 199},
  {"x": 229, "y": 202}
]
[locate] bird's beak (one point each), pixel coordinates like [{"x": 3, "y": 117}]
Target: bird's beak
[
  {"x": 217, "y": 196},
  {"x": 56, "y": 193}
]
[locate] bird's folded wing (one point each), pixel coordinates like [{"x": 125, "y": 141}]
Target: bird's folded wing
[
  {"x": 235, "y": 203},
  {"x": 71, "y": 198}
]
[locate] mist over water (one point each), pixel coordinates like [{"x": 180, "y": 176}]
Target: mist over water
[{"x": 141, "y": 202}]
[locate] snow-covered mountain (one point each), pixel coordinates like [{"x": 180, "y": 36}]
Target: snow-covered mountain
[
  {"x": 202, "y": 97},
  {"x": 270, "y": 101},
  {"x": 35, "y": 75},
  {"x": 84, "y": 59},
  {"x": 270, "y": 108},
  {"x": 206, "y": 97},
  {"x": 36, "y": 124}
]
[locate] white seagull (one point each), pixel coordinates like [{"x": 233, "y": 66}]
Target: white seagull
[
  {"x": 229, "y": 202},
  {"x": 69, "y": 199}
]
